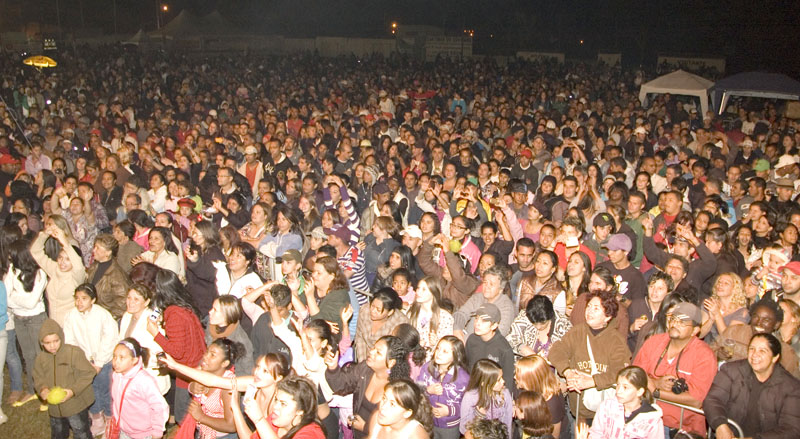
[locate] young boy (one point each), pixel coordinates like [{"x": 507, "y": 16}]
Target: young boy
[
  {"x": 487, "y": 342},
  {"x": 64, "y": 366}
]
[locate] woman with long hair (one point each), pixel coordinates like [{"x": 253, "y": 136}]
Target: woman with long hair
[
  {"x": 259, "y": 225},
  {"x": 224, "y": 321},
  {"x": 161, "y": 252},
  {"x": 742, "y": 242},
  {"x": 430, "y": 225},
  {"x": 25, "y": 283},
  {"x": 403, "y": 413},
  {"x": 533, "y": 416},
  {"x": 534, "y": 374},
  {"x": 328, "y": 292},
  {"x": 204, "y": 259},
  {"x": 427, "y": 315},
  {"x": 401, "y": 257},
  {"x": 287, "y": 235},
  {"x": 576, "y": 278},
  {"x": 311, "y": 216},
  {"x": 416, "y": 354},
  {"x": 645, "y": 309},
  {"x": 727, "y": 306},
  {"x": 142, "y": 222},
  {"x": 487, "y": 396},
  {"x": 293, "y": 413},
  {"x": 445, "y": 380},
  {"x": 632, "y": 413},
  {"x": 542, "y": 282},
  {"x": 65, "y": 271},
  {"x": 366, "y": 380},
  {"x": 183, "y": 336}
]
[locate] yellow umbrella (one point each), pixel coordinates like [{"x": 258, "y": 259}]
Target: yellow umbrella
[{"x": 40, "y": 61}]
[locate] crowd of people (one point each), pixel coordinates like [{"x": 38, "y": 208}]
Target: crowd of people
[{"x": 296, "y": 247}]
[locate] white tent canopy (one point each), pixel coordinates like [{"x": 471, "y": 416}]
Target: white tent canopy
[{"x": 679, "y": 82}]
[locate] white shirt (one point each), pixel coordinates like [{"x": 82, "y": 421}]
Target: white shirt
[
  {"x": 94, "y": 331},
  {"x": 24, "y": 303}
]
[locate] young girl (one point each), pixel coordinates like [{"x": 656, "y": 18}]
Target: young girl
[
  {"x": 427, "y": 315},
  {"x": 211, "y": 407},
  {"x": 486, "y": 396},
  {"x": 533, "y": 416},
  {"x": 269, "y": 370},
  {"x": 136, "y": 401},
  {"x": 632, "y": 414},
  {"x": 92, "y": 328},
  {"x": 445, "y": 380}
]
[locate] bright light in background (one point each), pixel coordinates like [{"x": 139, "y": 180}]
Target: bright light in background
[
  {"x": 581, "y": 41},
  {"x": 394, "y": 27},
  {"x": 165, "y": 8}
]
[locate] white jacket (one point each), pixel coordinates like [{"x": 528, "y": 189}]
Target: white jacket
[{"x": 94, "y": 331}]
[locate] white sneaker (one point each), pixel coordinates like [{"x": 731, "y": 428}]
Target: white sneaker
[{"x": 3, "y": 418}]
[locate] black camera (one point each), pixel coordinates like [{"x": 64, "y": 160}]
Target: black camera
[{"x": 679, "y": 386}]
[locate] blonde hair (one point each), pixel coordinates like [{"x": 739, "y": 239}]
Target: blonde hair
[
  {"x": 533, "y": 373},
  {"x": 738, "y": 296}
]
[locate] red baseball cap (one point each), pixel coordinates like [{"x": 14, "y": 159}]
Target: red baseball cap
[{"x": 794, "y": 266}]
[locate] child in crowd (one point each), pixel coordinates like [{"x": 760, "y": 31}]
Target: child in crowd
[
  {"x": 136, "y": 402},
  {"x": 632, "y": 414},
  {"x": 445, "y": 380},
  {"x": 486, "y": 396},
  {"x": 64, "y": 371}
]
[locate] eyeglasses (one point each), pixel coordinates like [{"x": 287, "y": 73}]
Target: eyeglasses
[
  {"x": 677, "y": 321},
  {"x": 458, "y": 226}
]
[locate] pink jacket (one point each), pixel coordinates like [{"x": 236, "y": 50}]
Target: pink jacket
[
  {"x": 144, "y": 410},
  {"x": 609, "y": 423}
]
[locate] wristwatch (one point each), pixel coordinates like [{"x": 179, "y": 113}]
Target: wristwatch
[{"x": 657, "y": 393}]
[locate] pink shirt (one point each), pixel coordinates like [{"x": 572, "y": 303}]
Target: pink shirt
[{"x": 144, "y": 410}]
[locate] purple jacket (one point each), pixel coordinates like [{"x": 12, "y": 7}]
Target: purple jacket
[{"x": 451, "y": 395}]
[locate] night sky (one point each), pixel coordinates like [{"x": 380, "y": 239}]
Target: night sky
[{"x": 752, "y": 35}]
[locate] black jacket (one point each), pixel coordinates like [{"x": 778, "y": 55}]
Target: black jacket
[{"x": 778, "y": 404}]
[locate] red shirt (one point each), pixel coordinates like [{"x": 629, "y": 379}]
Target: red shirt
[{"x": 698, "y": 366}]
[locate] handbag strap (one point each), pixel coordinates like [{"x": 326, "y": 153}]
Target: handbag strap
[
  {"x": 125, "y": 389},
  {"x": 591, "y": 356}
]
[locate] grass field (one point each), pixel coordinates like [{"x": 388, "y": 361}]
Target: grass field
[{"x": 23, "y": 422}]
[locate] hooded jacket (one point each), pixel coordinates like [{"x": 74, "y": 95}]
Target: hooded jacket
[{"x": 67, "y": 368}]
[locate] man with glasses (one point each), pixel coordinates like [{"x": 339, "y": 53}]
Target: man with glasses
[{"x": 680, "y": 367}]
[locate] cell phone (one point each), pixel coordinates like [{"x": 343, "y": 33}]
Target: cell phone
[
  {"x": 250, "y": 393},
  {"x": 154, "y": 316},
  {"x": 160, "y": 357},
  {"x": 572, "y": 242}
]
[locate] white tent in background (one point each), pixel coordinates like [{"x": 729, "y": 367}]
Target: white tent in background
[
  {"x": 679, "y": 82},
  {"x": 139, "y": 38}
]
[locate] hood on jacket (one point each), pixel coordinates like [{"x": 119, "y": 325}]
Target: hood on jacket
[{"x": 49, "y": 327}]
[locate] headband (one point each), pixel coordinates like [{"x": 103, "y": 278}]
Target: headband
[{"x": 128, "y": 345}]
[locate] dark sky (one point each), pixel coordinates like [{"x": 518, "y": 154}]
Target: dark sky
[{"x": 750, "y": 34}]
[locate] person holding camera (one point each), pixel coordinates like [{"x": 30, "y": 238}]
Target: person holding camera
[{"x": 680, "y": 367}]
